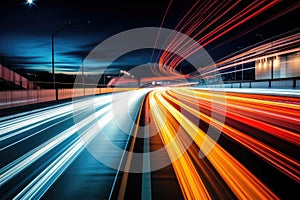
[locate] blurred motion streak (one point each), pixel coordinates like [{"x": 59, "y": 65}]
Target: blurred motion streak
[
  {"x": 262, "y": 126},
  {"x": 240, "y": 180}
]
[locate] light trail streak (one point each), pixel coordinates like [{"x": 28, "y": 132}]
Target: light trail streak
[
  {"x": 199, "y": 23},
  {"x": 243, "y": 21},
  {"x": 31, "y": 135},
  {"x": 241, "y": 181},
  {"x": 261, "y": 110},
  {"x": 265, "y": 127},
  {"x": 256, "y": 26},
  {"x": 227, "y": 26},
  {"x": 189, "y": 180},
  {"x": 284, "y": 163},
  {"x": 146, "y": 177},
  {"x": 20, "y": 164},
  {"x": 37, "y": 187},
  {"x": 278, "y": 47},
  {"x": 24, "y": 126},
  {"x": 190, "y": 26},
  {"x": 32, "y": 119},
  {"x": 121, "y": 193},
  {"x": 153, "y": 69},
  {"x": 63, "y": 147}
]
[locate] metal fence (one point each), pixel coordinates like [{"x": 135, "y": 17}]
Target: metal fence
[
  {"x": 280, "y": 83},
  {"x": 15, "y": 98}
]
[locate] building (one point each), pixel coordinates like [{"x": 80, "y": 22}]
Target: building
[{"x": 277, "y": 67}]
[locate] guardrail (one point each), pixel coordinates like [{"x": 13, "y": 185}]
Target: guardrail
[
  {"x": 9, "y": 99},
  {"x": 283, "y": 83}
]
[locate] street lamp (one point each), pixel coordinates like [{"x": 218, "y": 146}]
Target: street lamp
[
  {"x": 82, "y": 74},
  {"x": 66, "y": 25}
]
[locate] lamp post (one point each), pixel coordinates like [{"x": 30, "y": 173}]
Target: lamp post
[
  {"x": 82, "y": 74},
  {"x": 66, "y": 25},
  {"x": 53, "y": 73}
]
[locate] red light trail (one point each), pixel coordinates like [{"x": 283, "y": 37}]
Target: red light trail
[
  {"x": 268, "y": 116},
  {"x": 199, "y": 23}
]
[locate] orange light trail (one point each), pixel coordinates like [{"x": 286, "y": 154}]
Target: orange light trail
[
  {"x": 175, "y": 127},
  {"x": 188, "y": 178},
  {"x": 283, "y": 162},
  {"x": 241, "y": 181}
]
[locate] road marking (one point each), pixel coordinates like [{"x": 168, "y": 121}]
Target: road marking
[{"x": 121, "y": 192}]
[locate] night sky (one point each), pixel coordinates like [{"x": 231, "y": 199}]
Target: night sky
[{"x": 26, "y": 30}]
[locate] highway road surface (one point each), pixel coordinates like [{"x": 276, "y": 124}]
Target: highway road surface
[{"x": 159, "y": 143}]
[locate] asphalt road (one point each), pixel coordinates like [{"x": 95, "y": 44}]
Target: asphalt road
[{"x": 203, "y": 145}]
